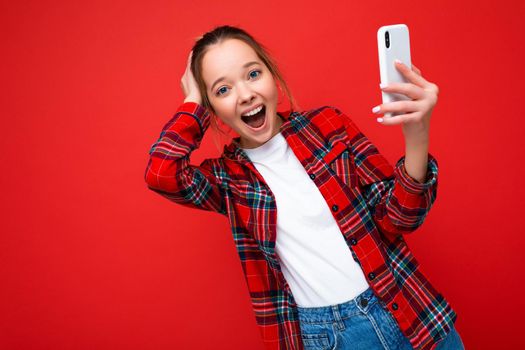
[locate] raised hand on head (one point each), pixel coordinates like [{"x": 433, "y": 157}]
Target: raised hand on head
[{"x": 189, "y": 85}]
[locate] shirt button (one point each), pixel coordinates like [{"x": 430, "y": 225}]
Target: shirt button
[
  {"x": 353, "y": 241},
  {"x": 335, "y": 207},
  {"x": 394, "y": 306},
  {"x": 312, "y": 176},
  {"x": 371, "y": 275}
]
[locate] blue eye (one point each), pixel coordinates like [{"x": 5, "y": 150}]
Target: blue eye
[
  {"x": 218, "y": 91},
  {"x": 255, "y": 71}
]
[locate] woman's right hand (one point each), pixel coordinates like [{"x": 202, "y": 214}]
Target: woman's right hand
[{"x": 189, "y": 85}]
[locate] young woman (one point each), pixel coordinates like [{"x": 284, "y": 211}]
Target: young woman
[{"x": 317, "y": 213}]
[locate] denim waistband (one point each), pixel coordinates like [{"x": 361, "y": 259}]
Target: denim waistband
[{"x": 332, "y": 313}]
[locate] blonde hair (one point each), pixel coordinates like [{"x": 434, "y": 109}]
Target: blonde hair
[{"x": 217, "y": 36}]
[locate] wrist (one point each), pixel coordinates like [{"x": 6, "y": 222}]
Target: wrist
[
  {"x": 417, "y": 132},
  {"x": 417, "y": 137},
  {"x": 193, "y": 99}
]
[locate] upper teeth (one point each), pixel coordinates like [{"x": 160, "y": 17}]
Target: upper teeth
[{"x": 255, "y": 111}]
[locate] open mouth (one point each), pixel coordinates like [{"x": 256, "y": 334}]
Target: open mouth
[{"x": 257, "y": 120}]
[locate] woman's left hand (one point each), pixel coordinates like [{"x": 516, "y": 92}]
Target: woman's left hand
[{"x": 413, "y": 114}]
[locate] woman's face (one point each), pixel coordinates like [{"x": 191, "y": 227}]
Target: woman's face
[{"x": 238, "y": 82}]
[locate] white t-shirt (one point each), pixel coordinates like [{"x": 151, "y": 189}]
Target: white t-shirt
[{"x": 315, "y": 259}]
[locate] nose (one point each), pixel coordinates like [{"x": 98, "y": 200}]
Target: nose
[{"x": 246, "y": 95}]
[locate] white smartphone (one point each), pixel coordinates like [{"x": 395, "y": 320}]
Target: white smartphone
[{"x": 393, "y": 42}]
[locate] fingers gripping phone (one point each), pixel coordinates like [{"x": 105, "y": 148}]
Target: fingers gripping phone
[{"x": 393, "y": 42}]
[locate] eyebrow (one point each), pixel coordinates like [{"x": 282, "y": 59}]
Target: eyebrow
[{"x": 245, "y": 66}]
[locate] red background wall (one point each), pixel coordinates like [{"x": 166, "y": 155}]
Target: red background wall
[{"x": 91, "y": 259}]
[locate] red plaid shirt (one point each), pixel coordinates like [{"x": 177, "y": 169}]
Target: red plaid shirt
[{"x": 373, "y": 203}]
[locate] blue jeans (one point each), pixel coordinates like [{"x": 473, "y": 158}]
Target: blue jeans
[{"x": 361, "y": 323}]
